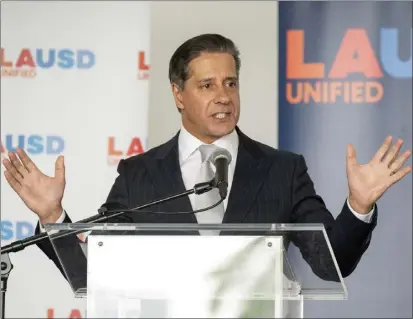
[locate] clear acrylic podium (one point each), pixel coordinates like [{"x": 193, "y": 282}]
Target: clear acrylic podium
[{"x": 197, "y": 271}]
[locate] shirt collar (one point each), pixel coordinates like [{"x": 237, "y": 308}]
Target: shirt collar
[{"x": 188, "y": 144}]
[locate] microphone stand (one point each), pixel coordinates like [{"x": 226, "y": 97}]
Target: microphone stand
[{"x": 103, "y": 216}]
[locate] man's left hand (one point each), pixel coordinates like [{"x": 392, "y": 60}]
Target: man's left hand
[{"x": 368, "y": 182}]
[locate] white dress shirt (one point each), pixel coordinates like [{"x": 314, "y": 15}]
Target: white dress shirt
[
  {"x": 190, "y": 158},
  {"x": 190, "y": 162}
]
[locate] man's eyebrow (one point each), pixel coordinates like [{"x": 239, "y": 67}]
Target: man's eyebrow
[
  {"x": 205, "y": 80},
  {"x": 233, "y": 78}
]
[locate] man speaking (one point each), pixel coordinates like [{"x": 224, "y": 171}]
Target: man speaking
[{"x": 265, "y": 185}]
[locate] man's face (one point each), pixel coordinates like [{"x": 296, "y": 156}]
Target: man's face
[{"x": 210, "y": 102}]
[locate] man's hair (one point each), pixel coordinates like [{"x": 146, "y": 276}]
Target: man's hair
[{"x": 193, "y": 48}]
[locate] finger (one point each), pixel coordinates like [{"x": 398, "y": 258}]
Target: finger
[
  {"x": 393, "y": 152},
  {"x": 17, "y": 164},
  {"x": 351, "y": 155},
  {"x": 60, "y": 168},
  {"x": 398, "y": 163},
  {"x": 399, "y": 175},
  {"x": 12, "y": 171},
  {"x": 382, "y": 150},
  {"x": 12, "y": 182},
  {"x": 27, "y": 162}
]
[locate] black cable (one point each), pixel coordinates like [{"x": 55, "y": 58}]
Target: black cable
[
  {"x": 65, "y": 233},
  {"x": 136, "y": 209},
  {"x": 105, "y": 215}
]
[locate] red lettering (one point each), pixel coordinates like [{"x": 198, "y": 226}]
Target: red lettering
[
  {"x": 111, "y": 147},
  {"x": 5, "y": 63},
  {"x": 296, "y": 67},
  {"x": 371, "y": 87},
  {"x": 50, "y": 313},
  {"x": 75, "y": 314},
  {"x": 142, "y": 66},
  {"x": 25, "y": 58},
  {"x": 135, "y": 147},
  {"x": 334, "y": 91},
  {"x": 355, "y": 55}
]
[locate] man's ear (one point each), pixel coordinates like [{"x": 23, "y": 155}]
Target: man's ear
[{"x": 177, "y": 92}]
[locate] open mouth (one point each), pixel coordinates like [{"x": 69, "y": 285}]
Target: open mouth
[{"x": 221, "y": 115}]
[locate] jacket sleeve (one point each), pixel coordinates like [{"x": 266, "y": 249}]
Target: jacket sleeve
[
  {"x": 66, "y": 252},
  {"x": 349, "y": 236}
]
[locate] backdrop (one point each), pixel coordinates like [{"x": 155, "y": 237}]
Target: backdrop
[
  {"x": 98, "y": 108},
  {"x": 346, "y": 77},
  {"x": 74, "y": 82}
]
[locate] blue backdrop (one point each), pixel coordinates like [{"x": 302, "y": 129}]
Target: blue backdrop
[{"x": 345, "y": 76}]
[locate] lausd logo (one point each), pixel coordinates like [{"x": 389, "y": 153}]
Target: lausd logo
[
  {"x": 27, "y": 62},
  {"x": 143, "y": 67},
  {"x": 16, "y": 230},
  {"x": 33, "y": 144},
  {"x": 125, "y": 148},
  {"x": 311, "y": 82},
  {"x": 73, "y": 314}
]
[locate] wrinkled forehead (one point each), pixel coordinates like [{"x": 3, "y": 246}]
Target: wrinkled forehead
[{"x": 212, "y": 66}]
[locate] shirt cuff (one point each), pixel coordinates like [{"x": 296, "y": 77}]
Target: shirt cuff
[
  {"x": 363, "y": 217},
  {"x": 59, "y": 221}
]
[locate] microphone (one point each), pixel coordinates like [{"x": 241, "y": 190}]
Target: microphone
[
  {"x": 221, "y": 158},
  {"x": 110, "y": 211}
]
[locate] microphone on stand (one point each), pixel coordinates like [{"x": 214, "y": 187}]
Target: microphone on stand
[{"x": 221, "y": 159}]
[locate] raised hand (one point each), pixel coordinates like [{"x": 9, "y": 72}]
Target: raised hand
[
  {"x": 41, "y": 193},
  {"x": 368, "y": 182}
]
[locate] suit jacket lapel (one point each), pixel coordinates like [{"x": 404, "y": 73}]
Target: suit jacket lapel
[
  {"x": 165, "y": 173},
  {"x": 250, "y": 172}
]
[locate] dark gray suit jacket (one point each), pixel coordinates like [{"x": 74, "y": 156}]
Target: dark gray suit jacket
[{"x": 269, "y": 186}]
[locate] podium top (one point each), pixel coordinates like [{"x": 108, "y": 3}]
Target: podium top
[
  {"x": 185, "y": 227},
  {"x": 300, "y": 252}
]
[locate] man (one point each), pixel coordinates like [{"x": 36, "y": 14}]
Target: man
[{"x": 265, "y": 185}]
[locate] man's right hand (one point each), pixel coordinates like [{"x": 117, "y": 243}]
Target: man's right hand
[{"x": 41, "y": 193}]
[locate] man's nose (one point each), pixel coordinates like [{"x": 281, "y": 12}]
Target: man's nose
[{"x": 222, "y": 96}]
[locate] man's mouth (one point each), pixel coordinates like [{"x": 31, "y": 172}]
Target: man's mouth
[{"x": 221, "y": 115}]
